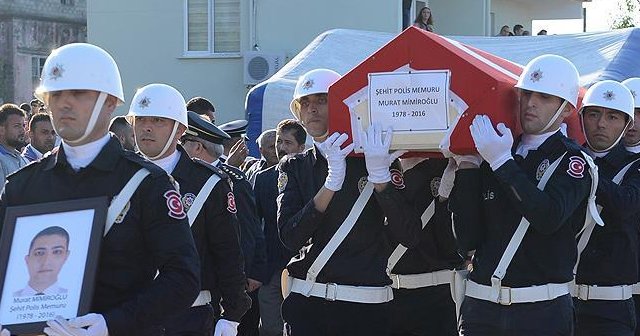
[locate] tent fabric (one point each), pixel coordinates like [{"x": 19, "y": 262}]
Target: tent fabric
[{"x": 606, "y": 55}]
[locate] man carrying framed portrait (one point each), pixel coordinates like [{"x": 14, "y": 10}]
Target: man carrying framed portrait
[{"x": 148, "y": 267}]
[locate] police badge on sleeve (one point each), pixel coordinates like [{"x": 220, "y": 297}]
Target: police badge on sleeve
[
  {"x": 397, "y": 179},
  {"x": 174, "y": 205}
]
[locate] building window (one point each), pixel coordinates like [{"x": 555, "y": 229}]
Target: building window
[
  {"x": 37, "y": 63},
  {"x": 67, "y": 2},
  {"x": 212, "y": 26}
]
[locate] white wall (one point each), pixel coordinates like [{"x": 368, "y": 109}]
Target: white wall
[
  {"x": 461, "y": 17},
  {"x": 285, "y": 26},
  {"x": 512, "y": 12}
]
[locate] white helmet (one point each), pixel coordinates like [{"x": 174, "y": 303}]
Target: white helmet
[
  {"x": 159, "y": 100},
  {"x": 80, "y": 66},
  {"x": 551, "y": 74},
  {"x": 633, "y": 84},
  {"x": 609, "y": 94},
  {"x": 312, "y": 82}
]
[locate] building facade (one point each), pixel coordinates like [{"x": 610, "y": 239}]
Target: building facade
[
  {"x": 202, "y": 47},
  {"x": 29, "y": 30}
]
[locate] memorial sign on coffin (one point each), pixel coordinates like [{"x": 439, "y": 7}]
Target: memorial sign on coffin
[{"x": 426, "y": 87}]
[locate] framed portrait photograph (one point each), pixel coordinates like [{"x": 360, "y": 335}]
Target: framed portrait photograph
[{"x": 48, "y": 260}]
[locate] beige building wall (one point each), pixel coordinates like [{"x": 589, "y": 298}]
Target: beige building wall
[{"x": 146, "y": 38}]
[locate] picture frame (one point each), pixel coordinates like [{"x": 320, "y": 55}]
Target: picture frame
[{"x": 43, "y": 249}]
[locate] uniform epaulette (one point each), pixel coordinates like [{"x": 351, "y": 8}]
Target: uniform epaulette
[
  {"x": 138, "y": 159},
  {"x": 291, "y": 159},
  {"x": 571, "y": 144},
  {"x": 233, "y": 172},
  {"x": 211, "y": 167}
]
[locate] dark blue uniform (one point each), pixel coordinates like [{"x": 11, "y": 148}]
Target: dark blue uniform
[
  {"x": 611, "y": 256},
  {"x": 427, "y": 310},
  {"x": 215, "y": 232},
  {"x": 251, "y": 242},
  {"x": 361, "y": 258},
  {"x": 488, "y": 207},
  {"x": 149, "y": 236},
  {"x": 266, "y": 190}
]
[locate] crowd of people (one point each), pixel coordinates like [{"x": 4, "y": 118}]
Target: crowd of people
[
  {"x": 534, "y": 235},
  {"x": 518, "y": 30}
]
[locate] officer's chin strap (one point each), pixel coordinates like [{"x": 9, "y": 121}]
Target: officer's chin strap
[
  {"x": 92, "y": 121},
  {"x": 168, "y": 143},
  {"x": 612, "y": 145},
  {"x": 323, "y": 137},
  {"x": 634, "y": 144},
  {"x": 554, "y": 118}
]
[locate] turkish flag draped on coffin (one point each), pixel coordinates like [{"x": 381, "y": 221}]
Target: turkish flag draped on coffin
[{"x": 480, "y": 83}]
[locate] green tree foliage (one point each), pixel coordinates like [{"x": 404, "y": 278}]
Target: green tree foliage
[{"x": 629, "y": 10}]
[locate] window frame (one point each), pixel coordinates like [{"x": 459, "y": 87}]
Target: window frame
[
  {"x": 41, "y": 60},
  {"x": 209, "y": 53}
]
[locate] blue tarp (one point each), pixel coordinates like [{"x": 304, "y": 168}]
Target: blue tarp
[{"x": 606, "y": 55}]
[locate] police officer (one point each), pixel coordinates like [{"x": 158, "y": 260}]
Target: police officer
[
  {"x": 81, "y": 86},
  {"x": 290, "y": 139},
  {"x": 422, "y": 303},
  {"x": 608, "y": 264},
  {"x": 631, "y": 141},
  {"x": 159, "y": 120},
  {"x": 339, "y": 287},
  {"x": 528, "y": 292},
  {"x": 209, "y": 149}
]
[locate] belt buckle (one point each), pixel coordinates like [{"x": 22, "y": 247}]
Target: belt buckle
[
  {"x": 583, "y": 292},
  {"x": 398, "y": 280},
  {"x": 500, "y": 297},
  {"x": 326, "y": 291}
]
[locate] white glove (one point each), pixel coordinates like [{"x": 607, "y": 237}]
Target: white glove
[
  {"x": 335, "y": 156},
  {"x": 94, "y": 323},
  {"x": 494, "y": 148},
  {"x": 4, "y": 332},
  {"x": 376, "y": 153},
  {"x": 448, "y": 177},
  {"x": 226, "y": 328}
]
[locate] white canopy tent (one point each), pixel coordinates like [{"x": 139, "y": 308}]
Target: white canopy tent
[{"x": 607, "y": 55}]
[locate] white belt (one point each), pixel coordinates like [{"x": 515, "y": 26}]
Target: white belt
[
  {"x": 413, "y": 281},
  {"x": 203, "y": 298},
  {"x": 333, "y": 292},
  {"x": 587, "y": 292},
  {"x": 635, "y": 288},
  {"x": 509, "y": 295}
]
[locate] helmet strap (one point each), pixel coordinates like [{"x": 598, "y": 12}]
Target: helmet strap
[
  {"x": 612, "y": 145},
  {"x": 634, "y": 144},
  {"x": 168, "y": 143},
  {"x": 554, "y": 118},
  {"x": 92, "y": 120}
]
